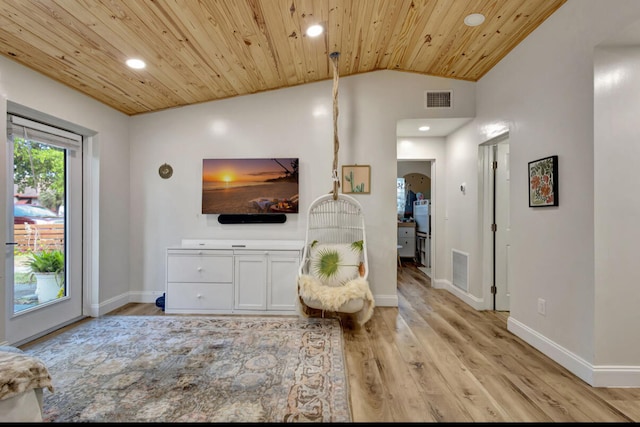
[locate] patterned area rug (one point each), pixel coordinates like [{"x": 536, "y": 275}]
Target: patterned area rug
[{"x": 197, "y": 369}]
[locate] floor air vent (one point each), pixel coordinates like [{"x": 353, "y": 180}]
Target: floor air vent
[
  {"x": 438, "y": 98},
  {"x": 460, "y": 269}
]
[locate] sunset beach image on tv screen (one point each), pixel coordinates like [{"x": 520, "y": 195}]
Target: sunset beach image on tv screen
[{"x": 250, "y": 186}]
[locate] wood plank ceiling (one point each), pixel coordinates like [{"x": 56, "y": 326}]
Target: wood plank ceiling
[{"x": 205, "y": 50}]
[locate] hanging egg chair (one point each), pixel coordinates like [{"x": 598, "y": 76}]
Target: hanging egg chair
[{"x": 333, "y": 273}]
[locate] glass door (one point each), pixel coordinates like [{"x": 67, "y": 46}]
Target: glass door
[{"x": 44, "y": 258}]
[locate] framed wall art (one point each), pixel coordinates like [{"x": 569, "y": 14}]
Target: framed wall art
[
  {"x": 543, "y": 182},
  {"x": 356, "y": 179}
]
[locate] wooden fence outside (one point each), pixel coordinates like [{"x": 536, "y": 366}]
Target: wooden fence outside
[{"x": 38, "y": 237}]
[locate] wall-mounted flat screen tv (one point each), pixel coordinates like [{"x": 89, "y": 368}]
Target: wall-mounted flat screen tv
[{"x": 250, "y": 186}]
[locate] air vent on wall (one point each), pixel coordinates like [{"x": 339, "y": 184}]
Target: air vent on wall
[{"x": 438, "y": 99}]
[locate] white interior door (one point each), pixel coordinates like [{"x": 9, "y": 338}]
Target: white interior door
[
  {"x": 503, "y": 227},
  {"x": 44, "y": 216}
]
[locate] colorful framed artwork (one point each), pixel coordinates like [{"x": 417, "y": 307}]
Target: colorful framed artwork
[
  {"x": 356, "y": 179},
  {"x": 543, "y": 182}
]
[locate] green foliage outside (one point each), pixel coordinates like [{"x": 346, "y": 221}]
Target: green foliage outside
[
  {"x": 46, "y": 261},
  {"x": 41, "y": 167}
]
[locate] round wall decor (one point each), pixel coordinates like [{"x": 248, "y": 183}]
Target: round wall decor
[{"x": 165, "y": 171}]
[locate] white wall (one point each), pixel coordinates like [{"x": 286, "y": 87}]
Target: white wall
[
  {"x": 461, "y": 211},
  {"x": 406, "y": 167},
  {"x": 617, "y": 206},
  {"x": 293, "y": 122},
  {"x": 111, "y": 142},
  {"x": 543, "y": 92}
]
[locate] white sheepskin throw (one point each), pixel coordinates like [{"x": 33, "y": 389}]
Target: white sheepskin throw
[{"x": 332, "y": 298}]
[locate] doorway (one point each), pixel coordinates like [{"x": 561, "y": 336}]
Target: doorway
[
  {"x": 495, "y": 220},
  {"x": 44, "y": 219},
  {"x": 416, "y": 207}
]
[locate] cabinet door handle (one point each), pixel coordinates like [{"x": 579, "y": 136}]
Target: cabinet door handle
[
  {"x": 199, "y": 296},
  {"x": 199, "y": 268}
]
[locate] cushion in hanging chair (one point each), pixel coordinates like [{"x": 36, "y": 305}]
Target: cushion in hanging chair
[
  {"x": 335, "y": 263},
  {"x": 352, "y": 297}
]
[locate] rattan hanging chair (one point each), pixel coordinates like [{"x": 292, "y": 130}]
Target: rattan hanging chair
[{"x": 334, "y": 269}]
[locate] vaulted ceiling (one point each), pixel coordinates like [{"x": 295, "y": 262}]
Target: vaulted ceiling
[{"x": 205, "y": 50}]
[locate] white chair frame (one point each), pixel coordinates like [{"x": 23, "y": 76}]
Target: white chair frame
[{"x": 334, "y": 221}]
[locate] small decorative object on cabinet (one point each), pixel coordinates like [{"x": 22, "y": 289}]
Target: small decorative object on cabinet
[{"x": 233, "y": 276}]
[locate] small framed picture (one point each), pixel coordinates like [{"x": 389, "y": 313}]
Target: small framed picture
[
  {"x": 543, "y": 182},
  {"x": 356, "y": 179}
]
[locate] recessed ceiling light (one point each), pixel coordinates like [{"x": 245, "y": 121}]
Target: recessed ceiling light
[
  {"x": 474, "y": 19},
  {"x": 424, "y": 128},
  {"x": 314, "y": 30},
  {"x": 136, "y": 63}
]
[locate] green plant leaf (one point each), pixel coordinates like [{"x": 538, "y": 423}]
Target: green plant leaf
[
  {"x": 46, "y": 261},
  {"x": 329, "y": 261}
]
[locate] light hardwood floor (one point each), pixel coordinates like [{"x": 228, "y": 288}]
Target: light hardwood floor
[{"x": 435, "y": 359}]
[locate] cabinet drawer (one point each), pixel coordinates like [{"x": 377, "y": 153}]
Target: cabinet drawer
[
  {"x": 199, "y": 296},
  {"x": 406, "y": 232},
  {"x": 200, "y": 268},
  {"x": 408, "y": 248}
]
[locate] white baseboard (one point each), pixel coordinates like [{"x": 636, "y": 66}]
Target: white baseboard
[
  {"x": 145, "y": 297},
  {"x": 105, "y": 307},
  {"x": 594, "y": 375},
  {"x": 386, "y": 300},
  {"x": 472, "y": 300}
]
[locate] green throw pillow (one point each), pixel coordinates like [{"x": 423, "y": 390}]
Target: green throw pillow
[{"x": 335, "y": 264}]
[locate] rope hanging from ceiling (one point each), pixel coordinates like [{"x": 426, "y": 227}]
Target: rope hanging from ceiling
[
  {"x": 328, "y": 279},
  {"x": 336, "y": 143}
]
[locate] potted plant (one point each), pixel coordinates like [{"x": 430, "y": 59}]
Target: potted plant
[{"x": 48, "y": 268}]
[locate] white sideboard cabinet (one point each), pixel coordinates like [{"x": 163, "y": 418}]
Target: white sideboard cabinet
[{"x": 233, "y": 276}]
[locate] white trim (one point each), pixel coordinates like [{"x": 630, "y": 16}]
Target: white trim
[
  {"x": 475, "y": 302},
  {"x": 91, "y": 231},
  {"x": 145, "y": 296},
  {"x": 100, "y": 309},
  {"x": 433, "y": 235},
  {"x": 386, "y": 300},
  {"x": 594, "y": 375},
  {"x": 616, "y": 376},
  {"x": 485, "y": 208}
]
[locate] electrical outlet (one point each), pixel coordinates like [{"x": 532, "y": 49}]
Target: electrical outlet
[{"x": 542, "y": 306}]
